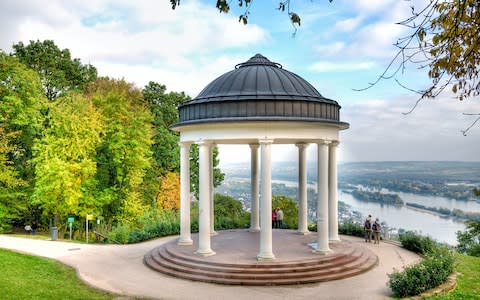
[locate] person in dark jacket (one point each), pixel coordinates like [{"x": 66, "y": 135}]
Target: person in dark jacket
[{"x": 367, "y": 227}]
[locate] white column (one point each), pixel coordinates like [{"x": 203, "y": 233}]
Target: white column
[
  {"x": 185, "y": 235},
  {"x": 266, "y": 202},
  {"x": 255, "y": 184},
  {"x": 332, "y": 193},
  {"x": 322, "y": 198},
  {"x": 212, "y": 191},
  {"x": 204, "y": 248},
  {"x": 302, "y": 189}
]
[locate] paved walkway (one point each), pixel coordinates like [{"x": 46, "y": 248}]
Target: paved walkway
[{"x": 120, "y": 269}]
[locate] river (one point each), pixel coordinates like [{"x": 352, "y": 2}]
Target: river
[{"x": 426, "y": 223}]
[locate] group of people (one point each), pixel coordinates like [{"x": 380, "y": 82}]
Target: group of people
[
  {"x": 277, "y": 218},
  {"x": 372, "y": 228}
]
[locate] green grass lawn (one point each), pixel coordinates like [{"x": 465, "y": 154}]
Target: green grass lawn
[
  {"x": 468, "y": 281},
  {"x": 29, "y": 277}
]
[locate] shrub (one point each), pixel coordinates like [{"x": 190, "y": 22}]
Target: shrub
[
  {"x": 351, "y": 228},
  {"x": 417, "y": 243},
  {"x": 120, "y": 233},
  {"x": 433, "y": 270},
  {"x": 348, "y": 228}
]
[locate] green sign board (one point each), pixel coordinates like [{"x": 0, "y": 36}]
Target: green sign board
[{"x": 71, "y": 219}]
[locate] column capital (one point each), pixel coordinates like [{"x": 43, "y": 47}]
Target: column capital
[
  {"x": 335, "y": 143},
  {"x": 185, "y": 144},
  {"x": 254, "y": 146},
  {"x": 265, "y": 141},
  {"x": 324, "y": 142},
  {"x": 302, "y": 145},
  {"x": 204, "y": 142}
]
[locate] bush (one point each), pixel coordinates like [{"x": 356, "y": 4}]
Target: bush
[
  {"x": 120, "y": 233},
  {"x": 432, "y": 271},
  {"x": 153, "y": 223},
  {"x": 351, "y": 228},
  {"x": 347, "y": 228},
  {"x": 417, "y": 243}
]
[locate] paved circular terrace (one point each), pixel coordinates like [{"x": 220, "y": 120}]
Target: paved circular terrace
[
  {"x": 120, "y": 269},
  {"x": 235, "y": 260}
]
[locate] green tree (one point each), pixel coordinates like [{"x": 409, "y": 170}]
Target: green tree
[
  {"x": 227, "y": 207},
  {"x": 164, "y": 109},
  {"x": 469, "y": 240},
  {"x": 58, "y": 71},
  {"x": 21, "y": 121},
  {"x": 229, "y": 213},
  {"x": 124, "y": 156},
  {"x": 64, "y": 158},
  {"x": 289, "y": 208}
]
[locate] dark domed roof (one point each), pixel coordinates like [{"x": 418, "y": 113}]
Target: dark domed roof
[
  {"x": 259, "y": 78},
  {"x": 259, "y": 89}
]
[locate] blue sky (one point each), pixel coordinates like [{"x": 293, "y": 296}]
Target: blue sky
[{"x": 340, "y": 46}]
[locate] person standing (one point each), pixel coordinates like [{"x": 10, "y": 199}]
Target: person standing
[
  {"x": 279, "y": 217},
  {"x": 274, "y": 218},
  {"x": 367, "y": 227},
  {"x": 376, "y": 228}
]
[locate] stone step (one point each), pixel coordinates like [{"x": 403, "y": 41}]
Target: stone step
[
  {"x": 264, "y": 264},
  {"x": 271, "y": 268},
  {"x": 360, "y": 262},
  {"x": 367, "y": 265},
  {"x": 251, "y": 274}
]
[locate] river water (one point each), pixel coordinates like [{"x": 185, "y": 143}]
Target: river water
[
  {"x": 426, "y": 223},
  {"x": 440, "y": 229}
]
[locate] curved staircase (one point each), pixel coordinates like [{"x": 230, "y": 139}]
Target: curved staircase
[{"x": 346, "y": 261}]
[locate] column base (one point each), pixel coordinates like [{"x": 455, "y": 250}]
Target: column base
[
  {"x": 335, "y": 240},
  {"x": 257, "y": 229},
  {"x": 184, "y": 242},
  {"x": 205, "y": 253},
  {"x": 322, "y": 252},
  {"x": 265, "y": 256},
  {"x": 303, "y": 232},
  {"x": 213, "y": 233}
]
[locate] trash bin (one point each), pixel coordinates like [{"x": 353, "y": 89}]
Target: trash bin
[{"x": 54, "y": 232}]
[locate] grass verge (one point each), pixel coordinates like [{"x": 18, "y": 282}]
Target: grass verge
[
  {"x": 31, "y": 277},
  {"x": 468, "y": 280}
]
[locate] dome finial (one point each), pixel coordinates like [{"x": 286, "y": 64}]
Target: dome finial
[{"x": 258, "y": 60}]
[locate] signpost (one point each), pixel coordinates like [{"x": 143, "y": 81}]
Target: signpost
[
  {"x": 88, "y": 217},
  {"x": 70, "y": 221}
]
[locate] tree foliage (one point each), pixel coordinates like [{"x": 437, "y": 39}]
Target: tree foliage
[
  {"x": 124, "y": 155},
  {"x": 469, "y": 240},
  {"x": 169, "y": 193},
  {"x": 64, "y": 158},
  {"x": 21, "y": 120},
  {"x": 103, "y": 147},
  {"x": 58, "y": 71},
  {"x": 163, "y": 107}
]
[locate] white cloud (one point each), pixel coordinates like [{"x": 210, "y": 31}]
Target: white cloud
[
  {"x": 348, "y": 24},
  {"x": 325, "y": 66}
]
